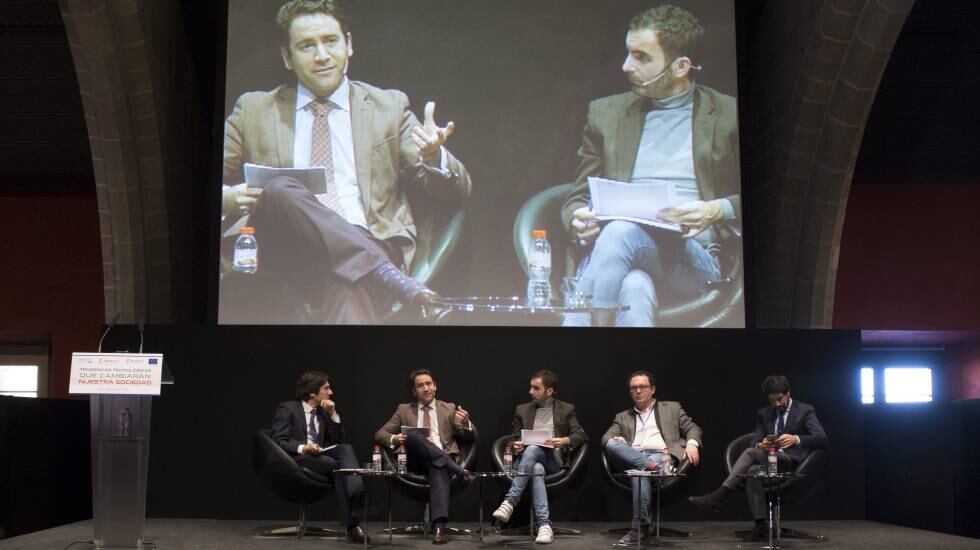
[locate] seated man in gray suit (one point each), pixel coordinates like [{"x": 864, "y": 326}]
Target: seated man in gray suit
[
  {"x": 797, "y": 431},
  {"x": 308, "y": 428},
  {"x": 436, "y": 456},
  {"x": 642, "y": 436},
  {"x": 544, "y": 412},
  {"x": 325, "y": 255}
]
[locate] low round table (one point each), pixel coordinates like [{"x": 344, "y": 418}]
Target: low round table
[
  {"x": 501, "y": 306},
  {"x": 368, "y": 473},
  {"x": 772, "y": 483}
]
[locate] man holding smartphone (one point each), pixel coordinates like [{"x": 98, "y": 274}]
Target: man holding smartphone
[{"x": 788, "y": 425}]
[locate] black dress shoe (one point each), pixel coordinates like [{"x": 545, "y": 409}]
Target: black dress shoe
[
  {"x": 758, "y": 533},
  {"x": 356, "y": 534},
  {"x": 439, "y": 536},
  {"x": 706, "y": 503}
]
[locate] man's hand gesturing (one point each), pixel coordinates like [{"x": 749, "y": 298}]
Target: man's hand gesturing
[{"x": 429, "y": 137}]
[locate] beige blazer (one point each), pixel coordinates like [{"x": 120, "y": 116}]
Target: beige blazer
[
  {"x": 261, "y": 129},
  {"x": 407, "y": 415}
]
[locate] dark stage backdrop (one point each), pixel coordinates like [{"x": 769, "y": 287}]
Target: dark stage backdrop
[
  {"x": 515, "y": 76},
  {"x": 230, "y": 379}
]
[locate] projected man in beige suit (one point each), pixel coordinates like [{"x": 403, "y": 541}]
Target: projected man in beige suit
[{"x": 328, "y": 254}]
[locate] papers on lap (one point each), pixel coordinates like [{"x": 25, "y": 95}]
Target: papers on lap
[
  {"x": 536, "y": 437},
  {"x": 409, "y": 430},
  {"x": 314, "y": 179},
  {"x": 635, "y": 202}
]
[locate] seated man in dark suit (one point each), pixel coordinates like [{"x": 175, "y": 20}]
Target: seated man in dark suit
[
  {"x": 544, "y": 412},
  {"x": 330, "y": 255},
  {"x": 641, "y": 437},
  {"x": 798, "y": 431},
  {"x": 309, "y": 429},
  {"x": 436, "y": 456}
]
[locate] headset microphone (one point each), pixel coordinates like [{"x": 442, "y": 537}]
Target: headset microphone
[{"x": 664, "y": 72}]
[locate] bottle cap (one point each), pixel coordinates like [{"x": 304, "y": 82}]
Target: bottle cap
[
  {"x": 507, "y": 448},
  {"x": 377, "y": 447},
  {"x": 539, "y": 234},
  {"x": 247, "y": 230},
  {"x": 401, "y": 447}
]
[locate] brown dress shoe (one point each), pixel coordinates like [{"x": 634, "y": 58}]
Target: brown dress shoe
[
  {"x": 439, "y": 536},
  {"x": 356, "y": 534}
]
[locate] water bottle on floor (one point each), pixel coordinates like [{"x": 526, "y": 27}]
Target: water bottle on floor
[{"x": 539, "y": 270}]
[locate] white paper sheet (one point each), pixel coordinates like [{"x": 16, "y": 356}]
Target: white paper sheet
[{"x": 635, "y": 202}]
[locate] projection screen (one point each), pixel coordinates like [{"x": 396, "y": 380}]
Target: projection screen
[{"x": 390, "y": 162}]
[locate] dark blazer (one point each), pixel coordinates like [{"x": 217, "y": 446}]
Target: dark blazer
[
  {"x": 289, "y": 427},
  {"x": 261, "y": 130},
  {"x": 611, "y": 139},
  {"x": 407, "y": 414},
  {"x": 802, "y": 422},
  {"x": 566, "y": 424},
  {"x": 675, "y": 426}
]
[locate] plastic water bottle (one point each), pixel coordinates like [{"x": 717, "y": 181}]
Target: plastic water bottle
[
  {"x": 667, "y": 467},
  {"x": 402, "y": 460},
  {"x": 508, "y": 460},
  {"x": 376, "y": 459},
  {"x": 771, "y": 467},
  {"x": 539, "y": 270},
  {"x": 246, "y": 255}
]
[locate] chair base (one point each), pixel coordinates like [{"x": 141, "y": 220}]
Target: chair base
[
  {"x": 421, "y": 529},
  {"x": 787, "y": 533},
  {"x": 525, "y": 531},
  {"x": 664, "y": 531},
  {"x": 300, "y": 532}
]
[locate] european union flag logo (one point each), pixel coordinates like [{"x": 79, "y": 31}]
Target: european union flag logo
[{"x": 153, "y": 360}]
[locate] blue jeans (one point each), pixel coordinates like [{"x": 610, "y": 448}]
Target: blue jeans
[
  {"x": 639, "y": 267},
  {"x": 624, "y": 457},
  {"x": 538, "y": 460}
]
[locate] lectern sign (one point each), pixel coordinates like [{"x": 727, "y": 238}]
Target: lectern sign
[{"x": 116, "y": 373}]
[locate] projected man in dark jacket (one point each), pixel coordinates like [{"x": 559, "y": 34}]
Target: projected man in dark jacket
[
  {"x": 309, "y": 429},
  {"x": 797, "y": 431},
  {"x": 329, "y": 253},
  {"x": 668, "y": 129}
]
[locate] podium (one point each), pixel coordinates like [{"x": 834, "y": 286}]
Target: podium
[{"x": 121, "y": 387}]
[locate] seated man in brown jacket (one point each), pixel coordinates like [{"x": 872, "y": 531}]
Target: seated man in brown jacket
[
  {"x": 544, "y": 412},
  {"x": 436, "y": 456}
]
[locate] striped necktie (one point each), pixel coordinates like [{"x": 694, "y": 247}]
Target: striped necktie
[{"x": 321, "y": 152}]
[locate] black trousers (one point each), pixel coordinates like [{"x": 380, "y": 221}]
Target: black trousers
[
  {"x": 753, "y": 460},
  {"x": 349, "y": 488},
  {"x": 425, "y": 459},
  {"x": 312, "y": 260}
]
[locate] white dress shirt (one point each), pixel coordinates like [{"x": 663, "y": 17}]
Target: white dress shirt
[
  {"x": 307, "y": 412},
  {"x": 342, "y": 147},
  {"x": 433, "y": 419},
  {"x": 647, "y": 434}
]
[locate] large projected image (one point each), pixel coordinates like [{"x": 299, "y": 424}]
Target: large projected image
[{"x": 558, "y": 162}]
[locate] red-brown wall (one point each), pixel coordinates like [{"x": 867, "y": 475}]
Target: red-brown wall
[
  {"x": 910, "y": 257},
  {"x": 51, "y": 277}
]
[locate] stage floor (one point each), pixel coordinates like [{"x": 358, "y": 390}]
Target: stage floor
[{"x": 202, "y": 534}]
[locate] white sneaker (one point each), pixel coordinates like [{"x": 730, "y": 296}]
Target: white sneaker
[
  {"x": 545, "y": 535},
  {"x": 504, "y": 512}
]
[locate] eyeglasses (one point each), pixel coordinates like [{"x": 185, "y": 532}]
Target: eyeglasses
[{"x": 640, "y": 388}]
